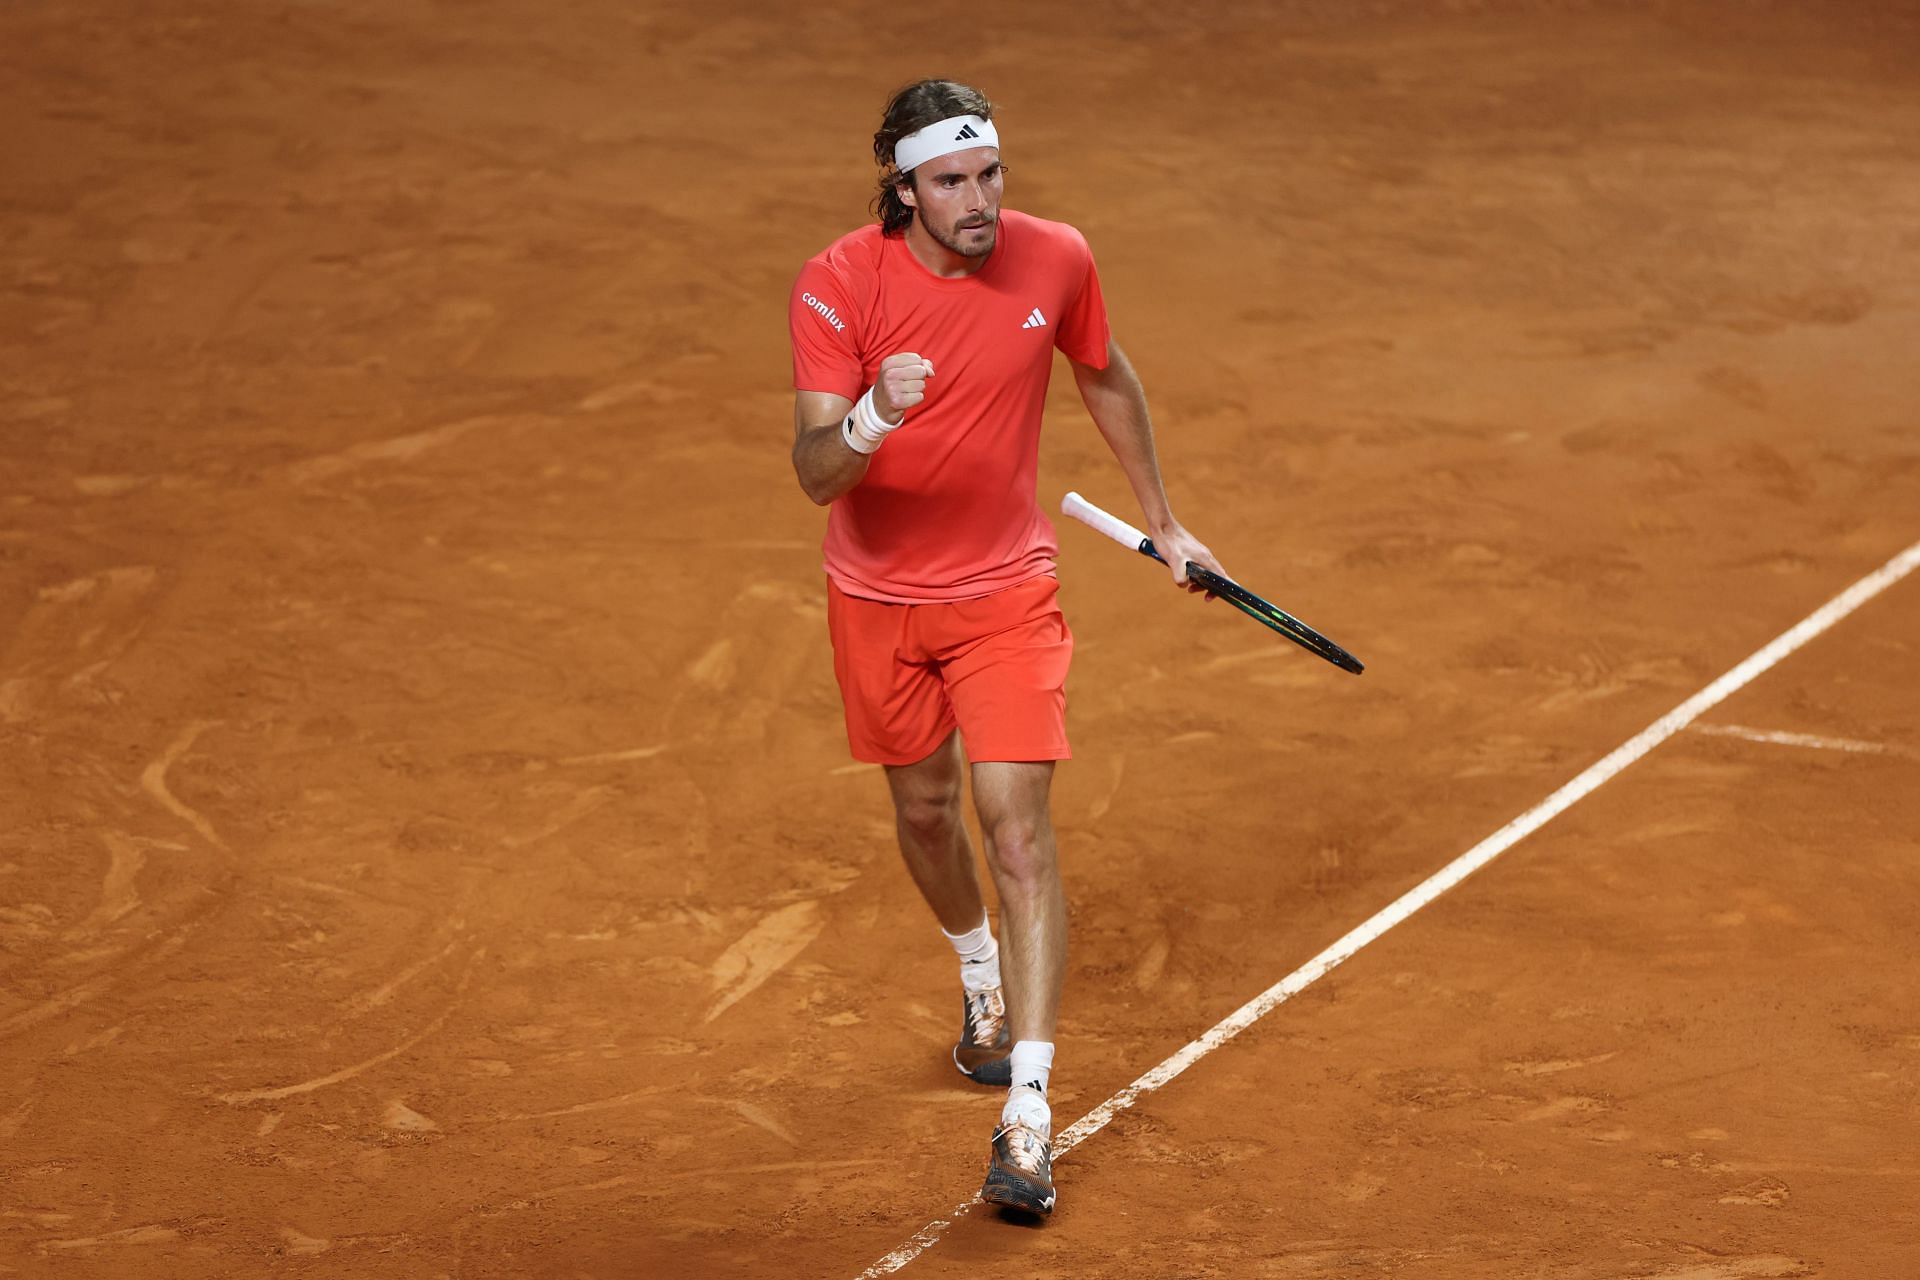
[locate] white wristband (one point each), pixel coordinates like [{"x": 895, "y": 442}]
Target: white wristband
[{"x": 864, "y": 429}]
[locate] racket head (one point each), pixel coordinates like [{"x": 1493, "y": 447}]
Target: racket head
[{"x": 1271, "y": 615}]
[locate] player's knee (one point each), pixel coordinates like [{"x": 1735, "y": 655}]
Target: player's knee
[
  {"x": 1021, "y": 852},
  {"x": 930, "y": 816}
]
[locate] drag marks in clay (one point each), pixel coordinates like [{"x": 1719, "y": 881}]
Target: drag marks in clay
[
  {"x": 71, "y": 636},
  {"x": 381, "y": 994},
  {"x": 119, "y": 887},
  {"x": 272, "y": 1093},
  {"x": 762, "y": 952},
  {"x": 152, "y": 1233},
  {"x": 614, "y": 1103},
  {"x": 139, "y": 960},
  {"x": 404, "y": 448},
  {"x": 153, "y": 780},
  {"x": 1768, "y": 1267}
]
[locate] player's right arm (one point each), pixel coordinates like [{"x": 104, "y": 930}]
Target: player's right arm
[
  {"x": 838, "y": 420},
  {"x": 835, "y": 438},
  {"x": 827, "y": 467}
]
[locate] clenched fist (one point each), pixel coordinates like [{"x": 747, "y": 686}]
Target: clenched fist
[
  {"x": 902, "y": 385},
  {"x": 879, "y": 413}
]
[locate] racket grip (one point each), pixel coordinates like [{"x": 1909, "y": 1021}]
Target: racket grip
[{"x": 1106, "y": 522}]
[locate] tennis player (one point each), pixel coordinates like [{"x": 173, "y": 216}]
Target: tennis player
[{"x": 922, "y": 348}]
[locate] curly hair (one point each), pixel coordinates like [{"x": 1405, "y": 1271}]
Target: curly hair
[{"x": 910, "y": 110}]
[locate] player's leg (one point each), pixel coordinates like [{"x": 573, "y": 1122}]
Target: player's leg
[
  {"x": 933, "y": 835},
  {"x": 1006, "y": 670},
  {"x": 1022, "y": 857},
  {"x": 898, "y": 716},
  {"x": 939, "y": 856}
]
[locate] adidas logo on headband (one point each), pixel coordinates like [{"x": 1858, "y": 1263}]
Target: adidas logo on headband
[{"x": 935, "y": 141}]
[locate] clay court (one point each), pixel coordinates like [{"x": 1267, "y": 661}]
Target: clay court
[{"x": 429, "y": 844}]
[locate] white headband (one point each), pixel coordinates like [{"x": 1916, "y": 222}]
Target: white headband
[{"x": 943, "y": 138}]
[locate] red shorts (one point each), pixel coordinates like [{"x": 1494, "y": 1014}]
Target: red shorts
[{"x": 995, "y": 666}]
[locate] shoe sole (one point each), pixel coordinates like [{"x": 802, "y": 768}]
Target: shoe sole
[
  {"x": 1012, "y": 1193},
  {"x": 998, "y": 1073}
]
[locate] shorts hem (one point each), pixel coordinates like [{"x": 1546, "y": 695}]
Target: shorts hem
[
  {"x": 895, "y": 760},
  {"x": 1039, "y": 755}
]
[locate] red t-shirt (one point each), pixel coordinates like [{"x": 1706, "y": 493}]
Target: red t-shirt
[{"x": 947, "y": 509}]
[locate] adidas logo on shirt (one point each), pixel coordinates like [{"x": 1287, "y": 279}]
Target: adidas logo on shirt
[
  {"x": 1035, "y": 321},
  {"x": 966, "y": 131}
]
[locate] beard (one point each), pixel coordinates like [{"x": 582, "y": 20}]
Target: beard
[{"x": 951, "y": 240}]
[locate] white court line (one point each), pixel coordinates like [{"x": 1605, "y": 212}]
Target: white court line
[
  {"x": 1444, "y": 879},
  {"x": 1781, "y": 738}
]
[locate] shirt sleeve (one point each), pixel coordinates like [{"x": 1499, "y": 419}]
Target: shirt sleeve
[
  {"x": 1083, "y": 331},
  {"x": 826, "y": 354}
]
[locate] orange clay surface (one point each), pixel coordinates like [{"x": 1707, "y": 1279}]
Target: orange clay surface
[{"x": 427, "y": 843}]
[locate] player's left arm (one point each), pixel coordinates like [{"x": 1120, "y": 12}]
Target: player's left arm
[{"x": 1118, "y": 404}]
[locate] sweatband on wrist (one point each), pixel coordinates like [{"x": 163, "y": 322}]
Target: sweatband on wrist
[{"x": 864, "y": 429}]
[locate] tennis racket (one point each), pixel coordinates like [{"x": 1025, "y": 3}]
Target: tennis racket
[{"x": 1227, "y": 589}]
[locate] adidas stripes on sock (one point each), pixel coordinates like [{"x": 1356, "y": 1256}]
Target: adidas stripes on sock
[{"x": 1032, "y": 1063}]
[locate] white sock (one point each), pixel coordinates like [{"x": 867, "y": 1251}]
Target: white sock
[
  {"x": 979, "y": 955},
  {"x": 976, "y": 945},
  {"x": 1031, "y": 1064}
]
